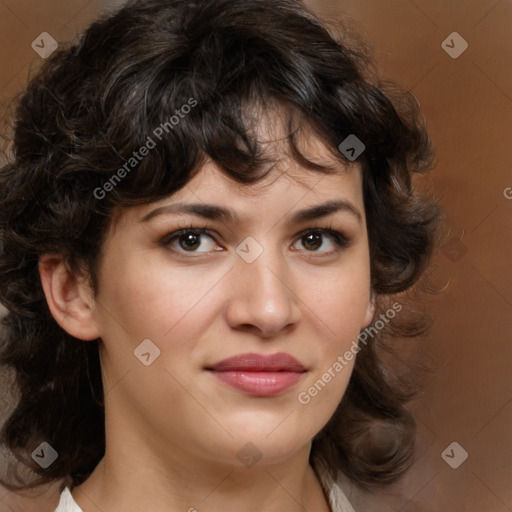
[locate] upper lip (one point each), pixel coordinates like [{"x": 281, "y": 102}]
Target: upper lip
[{"x": 280, "y": 362}]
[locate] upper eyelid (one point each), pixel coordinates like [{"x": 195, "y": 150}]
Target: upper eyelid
[
  {"x": 209, "y": 231},
  {"x": 328, "y": 231}
]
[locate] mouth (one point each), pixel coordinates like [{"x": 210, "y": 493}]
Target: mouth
[{"x": 259, "y": 375}]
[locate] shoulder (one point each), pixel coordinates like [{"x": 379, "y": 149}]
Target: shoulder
[{"x": 67, "y": 503}]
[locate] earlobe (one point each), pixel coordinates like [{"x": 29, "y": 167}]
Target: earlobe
[
  {"x": 370, "y": 310},
  {"x": 68, "y": 298}
]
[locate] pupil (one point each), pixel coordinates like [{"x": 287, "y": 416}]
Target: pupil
[
  {"x": 316, "y": 236},
  {"x": 190, "y": 241}
]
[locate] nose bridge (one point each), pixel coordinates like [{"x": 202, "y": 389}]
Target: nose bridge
[
  {"x": 263, "y": 295},
  {"x": 264, "y": 271}
]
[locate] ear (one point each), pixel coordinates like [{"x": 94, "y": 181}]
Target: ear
[
  {"x": 69, "y": 298},
  {"x": 370, "y": 310}
]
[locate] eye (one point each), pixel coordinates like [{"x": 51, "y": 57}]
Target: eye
[
  {"x": 199, "y": 240},
  {"x": 189, "y": 240},
  {"x": 315, "y": 239}
]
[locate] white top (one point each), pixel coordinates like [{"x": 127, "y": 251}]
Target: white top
[
  {"x": 337, "y": 500},
  {"x": 67, "y": 503}
]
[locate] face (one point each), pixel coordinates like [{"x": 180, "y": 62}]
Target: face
[{"x": 267, "y": 275}]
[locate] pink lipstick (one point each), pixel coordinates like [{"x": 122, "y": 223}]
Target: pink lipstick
[{"x": 259, "y": 375}]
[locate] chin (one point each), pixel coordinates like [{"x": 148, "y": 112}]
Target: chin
[{"x": 271, "y": 446}]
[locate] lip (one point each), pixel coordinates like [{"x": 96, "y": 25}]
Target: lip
[
  {"x": 252, "y": 362},
  {"x": 259, "y": 375}
]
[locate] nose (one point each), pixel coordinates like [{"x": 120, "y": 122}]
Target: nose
[{"x": 262, "y": 297}]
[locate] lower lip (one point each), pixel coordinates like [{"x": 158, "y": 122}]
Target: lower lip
[{"x": 259, "y": 383}]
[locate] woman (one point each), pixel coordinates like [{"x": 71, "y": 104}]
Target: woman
[{"x": 206, "y": 215}]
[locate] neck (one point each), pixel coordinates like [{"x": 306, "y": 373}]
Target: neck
[{"x": 126, "y": 480}]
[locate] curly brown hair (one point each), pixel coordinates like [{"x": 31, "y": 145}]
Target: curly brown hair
[{"x": 97, "y": 100}]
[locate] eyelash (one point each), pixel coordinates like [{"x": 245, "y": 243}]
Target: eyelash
[{"x": 340, "y": 240}]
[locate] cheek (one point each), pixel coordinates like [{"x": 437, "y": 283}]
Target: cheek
[
  {"x": 338, "y": 310},
  {"x": 341, "y": 298},
  {"x": 338, "y": 307},
  {"x": 153, "y": 299}
]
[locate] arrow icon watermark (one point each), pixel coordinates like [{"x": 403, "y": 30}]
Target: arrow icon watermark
[
  {"x": 45, "y": 455},
  {"x": 44, "y": 44},
  {"x": 147, "y": 352},
  {"x": 351, "y": 147}
]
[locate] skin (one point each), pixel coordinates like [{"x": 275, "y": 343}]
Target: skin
[{"x": 173, "y": 430}]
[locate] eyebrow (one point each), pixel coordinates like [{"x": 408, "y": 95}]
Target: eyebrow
[{"x": 220, "y": 213}]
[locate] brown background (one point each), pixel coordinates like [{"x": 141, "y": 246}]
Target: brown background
[{"x": 468, "y": 105}]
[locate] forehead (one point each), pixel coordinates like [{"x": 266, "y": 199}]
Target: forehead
[
  {"x": 271, "y": 127},
  {"x": 288, "y": 181}
]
